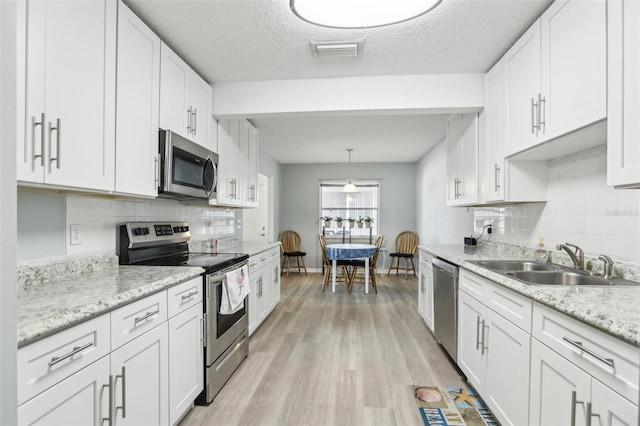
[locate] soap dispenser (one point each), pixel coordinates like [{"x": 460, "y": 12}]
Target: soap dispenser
[{"x": 541, "y": 254}]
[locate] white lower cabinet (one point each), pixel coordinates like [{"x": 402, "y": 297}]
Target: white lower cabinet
[
  {"x": 579, "y": 375},
  {"x": 81, "y": 399},
  {"x": 493, "y": 351},
  {"x": 264, "y": 281},
  {"x": 425, "y": 289}
]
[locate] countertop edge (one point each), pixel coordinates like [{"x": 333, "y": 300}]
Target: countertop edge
[{"x": 631, "y": 336}]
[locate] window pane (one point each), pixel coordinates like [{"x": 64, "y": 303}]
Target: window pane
[{"x": 360, "y": 205}]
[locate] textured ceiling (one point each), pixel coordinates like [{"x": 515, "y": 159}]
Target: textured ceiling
[{"x": 236, "y": 40}]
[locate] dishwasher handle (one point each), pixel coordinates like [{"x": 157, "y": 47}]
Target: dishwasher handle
[{"x": 448, "y": 268}]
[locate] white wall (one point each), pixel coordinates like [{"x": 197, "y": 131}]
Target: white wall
[
  {"x": 300, "y": 195},
  {"x": 8, "y": 120},
  {"x": 580, "y": 209},
  {"x": 437, "y": 223}
]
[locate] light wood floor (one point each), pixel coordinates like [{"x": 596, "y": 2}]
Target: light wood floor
[{"x": 325, "y": 358}]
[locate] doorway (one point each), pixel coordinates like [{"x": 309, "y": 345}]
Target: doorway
[{"x": 258, "y": 222}]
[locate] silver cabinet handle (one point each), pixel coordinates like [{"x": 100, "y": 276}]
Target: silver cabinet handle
[
  {"x": 188, "y": 296},
  {"x": 496, "y": 175},
  {"x": 194, "y": 126},
  {"x": 156, "y": 171},
  {"x": 580, "y": 347},
  {"x": 574, "y": 402},
  {"x": 477, "y": 332},
  {"x": 202, "y": 326},
  {"x": 590, "y": 414},
  {"x": 534, "y": 124},
  {"x": 483, "y": 347},
  {"x": 252, "y": 192},
  {"x": 43, "y": 132},
  {"x": 456, "y": 185},
  {"x": 145, "y": 317},
  {"x": 76, "y": 349},
  {"x": 58, "y": 131},
  {"x": 109, "y": 417},
  {"x": 124, "y": 394},
  {"x": 541, "y": 112},
  {"x": 189, "y": 115}
]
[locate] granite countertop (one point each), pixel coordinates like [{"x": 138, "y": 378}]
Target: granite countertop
[
  {"x": 59, "y": 302},
  {"x": 614, "y": 310}
]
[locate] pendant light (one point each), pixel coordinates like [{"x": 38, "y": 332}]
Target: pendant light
[
  {"x": 349, "y": 188},
  {"x": 358, "y": 14}
]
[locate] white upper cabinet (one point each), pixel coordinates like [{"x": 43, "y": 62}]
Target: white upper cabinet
[
  {"x": 70, "y": 95},
  {"x": 623, "y": 129},
  {"x": 555, "y": 77},
  {"x": 250, "y": 148},
  {"x": 185, "y": 99},
  {"x": 462, "y": 159},
  {"x": 138, "y": 100}
]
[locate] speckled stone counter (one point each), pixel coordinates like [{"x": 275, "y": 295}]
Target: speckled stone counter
[
  {"x": 51, "y": 302},
  {"x": 614, "y": 310}
]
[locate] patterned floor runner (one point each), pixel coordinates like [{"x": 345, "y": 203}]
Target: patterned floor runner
[{"x": 452, "y": 406}]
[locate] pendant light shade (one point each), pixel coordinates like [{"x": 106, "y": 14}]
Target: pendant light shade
[
  {"x": 354, "y": 14},
  {"x": 349, "y": 188}
]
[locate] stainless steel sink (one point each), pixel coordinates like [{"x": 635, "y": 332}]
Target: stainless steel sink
[
  {"x": 534, "y": 273},
  {"x": 515, "y": 265}
]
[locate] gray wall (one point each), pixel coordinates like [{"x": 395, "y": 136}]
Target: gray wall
[
  {"x": 437, "y": 223},
  {"x": 268, "y": 166},
  {"x": 300, "y": 199}
]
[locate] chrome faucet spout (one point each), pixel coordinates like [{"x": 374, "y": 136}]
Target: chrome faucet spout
[{"x": 577, "y": 258}]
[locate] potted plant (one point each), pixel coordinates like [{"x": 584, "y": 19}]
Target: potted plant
[
  {"x": 351, "y": 221},
  {"x": 327, "y": 221},
  {"x": 339, "y": 221},
  {"x": 359, "y": 221},
  {"x": 368, "y": 221}
]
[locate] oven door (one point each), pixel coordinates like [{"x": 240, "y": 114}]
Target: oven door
[
  {"x": 222, "y": 330},
  {"x": 187, "y": 169}
]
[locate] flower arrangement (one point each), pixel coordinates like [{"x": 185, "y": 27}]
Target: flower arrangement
[
  {"x": 368, "y": 221},
  {"x": 327, "y": 221}
]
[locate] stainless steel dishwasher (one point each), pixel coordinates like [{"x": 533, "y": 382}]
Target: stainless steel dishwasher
[{"x": 445, "y": 305}]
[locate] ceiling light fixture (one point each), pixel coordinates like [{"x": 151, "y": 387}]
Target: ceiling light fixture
[
  {"x": 353, "y": 14},
  {"x": 349, "y": 188},
  {"x": 337, "y": 48}
]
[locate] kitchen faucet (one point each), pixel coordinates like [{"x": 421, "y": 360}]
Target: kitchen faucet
[{"x": 577, "y": 257}]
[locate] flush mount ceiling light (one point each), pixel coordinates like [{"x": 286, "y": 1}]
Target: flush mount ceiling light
[
  {"x": 359, "y": 13},
  {"x": 337, "y": 48},
  {"x": 349, "y": 188}
]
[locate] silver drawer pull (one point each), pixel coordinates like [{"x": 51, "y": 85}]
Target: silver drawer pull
[
  {"x": 578, "y": 345},
  {"x": 146, "y": 317},
  {"x": 189, "y": 296},
  {"x": 76, "y": 349}
]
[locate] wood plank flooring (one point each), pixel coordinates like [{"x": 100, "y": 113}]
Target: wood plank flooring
[{"x": 325, "y": 358}]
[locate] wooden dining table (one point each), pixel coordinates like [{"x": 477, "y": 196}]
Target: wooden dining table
[{"x": 337, "y": 252}]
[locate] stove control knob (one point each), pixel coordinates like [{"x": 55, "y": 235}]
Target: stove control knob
[
  {"x": 176, "y": 229},
  {"x": 136, "y": 231},
  {"x": 145, "y": 231},
  {"x": 186, "y": 229}
]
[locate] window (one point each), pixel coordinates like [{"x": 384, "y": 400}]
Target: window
[{"x": 360, "y": 205}]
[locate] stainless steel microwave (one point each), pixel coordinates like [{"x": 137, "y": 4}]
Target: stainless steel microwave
[{"x": 187, "y": 170}]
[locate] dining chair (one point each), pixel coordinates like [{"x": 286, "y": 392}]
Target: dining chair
[
  {"x": 360, "y": 264},
  {"x": 290, "y": 244},
  {"x": 406, "y": 244},
  {"x": 342, "y": 264}
]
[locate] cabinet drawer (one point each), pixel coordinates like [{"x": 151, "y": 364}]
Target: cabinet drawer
[
  {"x": 511, "y": 305},
  {"x": 137, "y": 318},
  {"x": 472, "y": 284},
  {"x": 274, "y": 254},
  {"x": 610, "y": 360},
  {"x": 49, "y": 361},
  {"x": 183, "y": 296},
  {"x": 425, "y": 256},
  {"x": 258, "y": 261}
]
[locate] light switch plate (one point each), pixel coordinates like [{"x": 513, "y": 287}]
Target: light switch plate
[{"x": 75, "y": 234}]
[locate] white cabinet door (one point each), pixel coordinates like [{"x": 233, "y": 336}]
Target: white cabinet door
[
  {"x": 422, "y": 291},
  {"x": 522, "y": 85},
  {"x": 274, "y": 291},
  {"x": 143, "y": 392},
  {"x": 491, "y": 147},
  {"x": 553, "y": 379},
  {"x": 186, "y": 365},
  {"x": 462, "y": 159},
  {"x": 263, "y": 295},
  {"x": 200, "y": 97},
  {"x": 224, "y": 163},
  {"x": 70, "y": 97},
  {"x": 250, "y": 198},
  {"x": 609, "y": 408},
  {"x": 81, "y": 399},
  {"x": 623, "y": 123},
  {"x": 574, "y": 66},
  {"x": 508, "y": 353},
  {"x": 174, "y": 92},
  {"x": 138, "y": 100},
  {"x": 471, "y": 344}
]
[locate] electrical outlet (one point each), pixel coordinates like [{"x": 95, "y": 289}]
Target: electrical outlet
[
  {"x": 75, "y": 234},
  {"x": 489, "y": 229}
]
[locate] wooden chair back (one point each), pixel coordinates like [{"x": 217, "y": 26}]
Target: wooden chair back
[
  {"x": 323, "y": 248},
  {"x": 407, "y": 242},
  {"x": 290, "y": 241}
]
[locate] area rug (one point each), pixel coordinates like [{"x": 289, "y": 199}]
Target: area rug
[{"x": 452, "y": 406}]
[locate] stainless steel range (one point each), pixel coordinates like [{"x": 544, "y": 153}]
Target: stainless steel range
[{"x": 226, "y": 342}]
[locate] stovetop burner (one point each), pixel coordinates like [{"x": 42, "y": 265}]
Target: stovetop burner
[{"x": 165, "y": 244}]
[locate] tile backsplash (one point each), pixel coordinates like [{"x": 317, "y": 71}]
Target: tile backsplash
[
  {"x": 580, "y": 209},
  {"x": 99, "y": 217}
]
